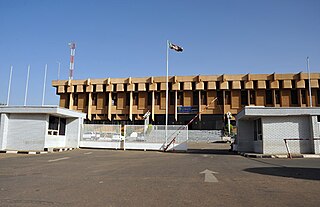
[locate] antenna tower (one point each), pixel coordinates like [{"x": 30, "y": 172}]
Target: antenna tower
[{"x": 72, "y": 46}]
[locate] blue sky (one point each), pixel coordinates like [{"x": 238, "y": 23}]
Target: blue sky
[{"x": 128, "y": 38}]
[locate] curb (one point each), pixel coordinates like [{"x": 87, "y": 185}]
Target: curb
[
  {"x": 252, "y": 155},
  {"x": 36, "y": 152}
]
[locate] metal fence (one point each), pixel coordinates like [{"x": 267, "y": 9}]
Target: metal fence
[
  {"x": 146, "y": 137},
  {"x": 155, "y": 133},
  {"x": 153, "y": 137},
  {"x": 101, "y": 133}
]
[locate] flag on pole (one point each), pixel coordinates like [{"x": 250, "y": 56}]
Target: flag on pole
[{"x": 175, "y": 47}]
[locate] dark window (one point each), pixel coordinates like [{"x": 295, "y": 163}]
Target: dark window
[
  {"x": 84, "y": 88},
  {"x": 53, "y": 123},
  {"x": 280, "y": 84},
  {"x": 170, "y": 86},
  {"x": 107, "y": 99},
  {"x": 135, "y": 99},
  {"x": 75, "y": 99},
  {"x": 75, "y": 89},
  {"x": 277, "y": 93},
  {"x": 94, "y": 88},
  {"x": 318, "y": 118},
  {"x": 218, "y": 85},
  {"x": 195, "y": 98},
  {"x": 193, "y": 86},
  {"x": 257, "y": 130},
  {"x": 255, "y": 84},
  {"x": 114, "y": 87},
  {"x": 149, "y": 98},
  {"x": 157, "y": 98},
  {"x": 230, "y": 84},
  {"x": 242, "y": 85},
  {"x": 158, "y": 86},
  {"x": 128, "y": 99},
  {"x": 147, "y": 87},
  {"x": 269, "y": 100},
  {"x": 104, "y": 87},
  {"x": 318, "y": 96},
  {"x": 220, "y": 97},
  {"x": 62, "y": 127},
  {"x": 268, "y": 84},
  {"x": 205, "y": 85},
  {"x": 252, "y": 97},
  {"x": 180, "y": 98},
  {"x": 293, "y": 83},
  {"x": 125, "y": 87},
  {"x": 136, "y": 86},
  {"x": 171, "y": 98},
  {"x": 94, "y": 99},
  {"x": 114, "y": 99},
  {"x": 303, "y": 96},
  {"x": 204, "y": 98},
  {"x": 244, "y": 98},
  {"x": 227, "y": 96},
  {"x": 57, "y": 126},
  {"x": 294, "y": 97}
]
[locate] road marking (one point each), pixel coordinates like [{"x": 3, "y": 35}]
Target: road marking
[
  {"x": 63, "y": 158},
  {"x": 87, "y": 153},
  {"x": 209, "y": 177}
]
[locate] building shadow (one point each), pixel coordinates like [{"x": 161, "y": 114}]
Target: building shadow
[{"x": 289, "y": 172}]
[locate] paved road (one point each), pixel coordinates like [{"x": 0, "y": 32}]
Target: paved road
[{"x": 136, "y": 178}]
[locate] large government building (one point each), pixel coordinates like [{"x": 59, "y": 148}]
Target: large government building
[{"x": 126, "y": 100}]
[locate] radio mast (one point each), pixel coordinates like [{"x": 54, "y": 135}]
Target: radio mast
[{"x": 72, "y": 46}]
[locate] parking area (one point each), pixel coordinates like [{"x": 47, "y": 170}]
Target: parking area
[{"x": 201, "y": 177}]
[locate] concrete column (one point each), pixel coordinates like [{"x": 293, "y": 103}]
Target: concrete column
[
  {"x": 89, "y": 105},
  {"x": 109, "y": 106},
  {"x": 315, "y": 134},
  {"x": 176, "y": 105},
  {"x": 70, "y": 101},
  {"x": 131, "y": 104},
  {"x": 199, "y": 95},
  {"x": 152, "y": 107},
  {"x": 4, "y": 131}
]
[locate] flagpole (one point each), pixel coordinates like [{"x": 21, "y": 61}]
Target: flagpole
[
  {"x": 58, "y": 70},
  {"x": 310, "y": 95},
  {"x": 167, "y": 86},
  {"x": 27, "y": 83},
  {"x": 44, "y": 83},
  {"x": 9, "y": 87}
]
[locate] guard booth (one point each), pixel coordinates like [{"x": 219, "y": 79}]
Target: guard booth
[{"x": 38, "y": 128}]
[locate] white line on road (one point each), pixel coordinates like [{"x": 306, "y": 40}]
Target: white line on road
[
  {"x": 209, "y": 177},
  {"x": 87, "y": 153},
  {"x": 63, "y": 158}
]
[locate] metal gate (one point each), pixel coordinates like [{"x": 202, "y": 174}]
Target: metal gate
[
  {"x": 101, "y": 136},
  {"x": 153, "y": 137}
]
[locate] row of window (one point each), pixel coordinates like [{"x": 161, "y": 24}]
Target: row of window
[
  {"x": 205, "y": 83},
  {"x": 247, "y": 97}
]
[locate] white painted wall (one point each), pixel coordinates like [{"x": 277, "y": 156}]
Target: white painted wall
[
  {"x": 3, "y": 131},
  {"x": 53, "y": 141},
  {"x": 26, "y": 132},
  {"x": 275, "y": 129},
  {"x": 245, "y": 136},
  {"x": 73, "y": 132}
]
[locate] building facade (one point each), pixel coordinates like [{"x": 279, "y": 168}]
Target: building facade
[{"x": 126, "y": 100}]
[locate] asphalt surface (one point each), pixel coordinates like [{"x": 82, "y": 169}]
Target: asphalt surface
[{"x": 92, "y": 177}]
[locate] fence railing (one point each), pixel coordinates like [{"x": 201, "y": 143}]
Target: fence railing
[
  {"x": 154, "y": 133},
  {"x": 101, "y": 133}
]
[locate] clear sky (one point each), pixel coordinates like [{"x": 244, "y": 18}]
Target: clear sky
[{"x": 117, "y": 38}]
